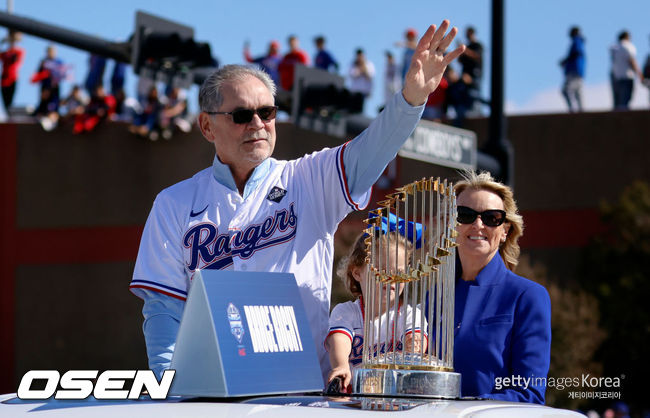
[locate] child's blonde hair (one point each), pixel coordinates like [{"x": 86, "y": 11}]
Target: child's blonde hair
[{"x": 357, "y": 258}]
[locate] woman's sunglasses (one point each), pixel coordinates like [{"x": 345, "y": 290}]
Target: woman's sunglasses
[
  {"x": 240, "y": 116},
  {"x": 491, "y": 217}
]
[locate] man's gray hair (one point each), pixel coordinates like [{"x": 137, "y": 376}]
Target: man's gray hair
[{"x": 210, "y": 96}]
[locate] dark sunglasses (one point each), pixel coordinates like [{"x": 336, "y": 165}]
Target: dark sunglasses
[
  {"x": 490, "y": 217},
  {"x": 240, "y": 116}
]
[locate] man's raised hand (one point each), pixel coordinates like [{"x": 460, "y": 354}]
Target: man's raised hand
[{"x": 429, "y": 63}]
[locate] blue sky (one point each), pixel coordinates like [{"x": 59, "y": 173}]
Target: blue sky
[{"x": 536, "y": 36}]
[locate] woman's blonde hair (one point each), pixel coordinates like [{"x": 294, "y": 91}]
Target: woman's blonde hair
[
  {"x": 509, "y": 250},
  {"x": 357, "y": 258}
]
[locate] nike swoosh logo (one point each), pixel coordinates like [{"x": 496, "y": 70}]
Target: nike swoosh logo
[{"x": 194, "y": 214}]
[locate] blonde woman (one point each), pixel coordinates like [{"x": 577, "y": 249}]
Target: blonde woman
[{"x": 503, "y": 321}]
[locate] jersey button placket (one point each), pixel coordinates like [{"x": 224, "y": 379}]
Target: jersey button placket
[{"x": 234, "y": 227}]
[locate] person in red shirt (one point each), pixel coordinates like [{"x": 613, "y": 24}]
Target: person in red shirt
[
  {"x": 288, "y": 63},
  {"x": 435, "y": 108},
  {"x": 12, "y": 59},
  {"x": 100, "y": 107}
]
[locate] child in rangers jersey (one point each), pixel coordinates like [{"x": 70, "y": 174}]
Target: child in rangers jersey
[{"x": 344, "y": 341}]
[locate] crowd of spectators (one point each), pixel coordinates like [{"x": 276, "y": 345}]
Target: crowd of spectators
[
  {"x": 624, "y": 70},
  {"x": 157, "y": 111},
  {"x": 457, "y": 91},
  {"x": 156, "y": 115},
  {"x": 87, "y": 105},
  {"x": 459, "y": 94}
]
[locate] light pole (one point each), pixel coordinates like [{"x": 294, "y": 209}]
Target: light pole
[{"x": 497, "y": 145}]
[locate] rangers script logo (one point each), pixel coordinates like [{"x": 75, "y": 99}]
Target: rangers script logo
[{"x": 211, "y": 250}]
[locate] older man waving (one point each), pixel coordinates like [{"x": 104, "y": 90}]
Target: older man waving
[{"x": 251, "y": 212}]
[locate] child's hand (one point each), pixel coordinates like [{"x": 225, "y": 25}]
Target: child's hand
[
  {"x": 411, "y": 346},
  {"x": 345, "y": 374}
]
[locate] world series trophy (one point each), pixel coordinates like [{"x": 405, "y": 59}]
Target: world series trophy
[{"x": 408, "y": 339}]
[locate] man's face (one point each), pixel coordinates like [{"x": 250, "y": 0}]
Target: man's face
[{"x": 241, "y": 146}]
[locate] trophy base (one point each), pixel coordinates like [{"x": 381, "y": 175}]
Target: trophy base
[{"x": 412, "y": 383}]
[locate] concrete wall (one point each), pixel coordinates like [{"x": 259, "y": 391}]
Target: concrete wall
[
  {"x": 72, "y": 228},
  {"x": 575, "y": 161},
  {"x": 73, "y": 208}
]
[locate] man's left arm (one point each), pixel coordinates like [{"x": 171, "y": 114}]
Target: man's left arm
[{"x": 366, "y": 157}]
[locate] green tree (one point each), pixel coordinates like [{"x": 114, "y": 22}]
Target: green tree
[
  {"x": 576, "y": 334},
  {"x": 616, "y": 270}
]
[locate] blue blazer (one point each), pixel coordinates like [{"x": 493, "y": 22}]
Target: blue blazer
[{"x": 503, "y": 330}]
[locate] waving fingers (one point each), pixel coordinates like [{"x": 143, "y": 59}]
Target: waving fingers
[
  {"x": 425, "y": 41},
  {"x": 446, "y": 41},
  {"x": 429, "y": 62},
  {"x": 454, "y": 54},
  {"x": 439, "y": 37}
]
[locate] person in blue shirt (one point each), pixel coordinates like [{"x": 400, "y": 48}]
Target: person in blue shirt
[
  {"x": 502, "y": 345},
  {"x": 323, "y": 59},
  {"x": 95, "y": 77},
  {"x": 574, "y": 71},
  {"x": 409, "y": 43},
  {"x": 268, "y": 62}
]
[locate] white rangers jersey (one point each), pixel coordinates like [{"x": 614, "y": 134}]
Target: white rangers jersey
[
  {"x": 347, "y": 318},
  {"x": 286, "y": 224}
]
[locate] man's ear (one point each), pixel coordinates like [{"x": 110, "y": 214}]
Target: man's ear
[{"x": 206, "y": 127}]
